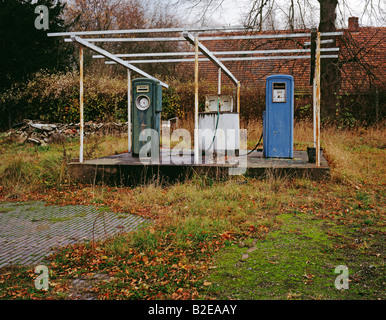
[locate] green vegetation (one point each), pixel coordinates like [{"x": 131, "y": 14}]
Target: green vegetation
[
  {"x": 295, "y": 231},
  {"x": 298, "y": 262},
  {"x": 277, "y": 238}
]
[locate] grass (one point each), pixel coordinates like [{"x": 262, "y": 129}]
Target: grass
[
  {"x": 295, "y": 231},
  {"x": 298, "y": 261},
  {"x": 26, "y": 168}
]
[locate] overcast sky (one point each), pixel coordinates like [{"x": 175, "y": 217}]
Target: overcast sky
[{"x": 232, "y": 12}]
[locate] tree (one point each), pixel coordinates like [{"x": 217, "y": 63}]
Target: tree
[
  {"x": 327, "y": 15},
  {"x": 329, "y": 68},
  {"x": 92, "y": 15},
  {"x": 24, "y": 49}
]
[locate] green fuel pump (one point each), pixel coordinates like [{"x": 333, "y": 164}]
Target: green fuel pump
[{"x": 146, "y": 110}]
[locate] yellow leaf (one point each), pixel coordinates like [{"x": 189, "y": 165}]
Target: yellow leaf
[{"x": 207, "y": 283}]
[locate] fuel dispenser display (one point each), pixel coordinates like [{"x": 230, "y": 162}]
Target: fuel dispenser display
[
  {"x": 146, "y": 110},
  {"x": 278, "y": 117}
]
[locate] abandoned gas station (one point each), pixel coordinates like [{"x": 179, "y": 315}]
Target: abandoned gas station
[{"x": 219, "y": 144}]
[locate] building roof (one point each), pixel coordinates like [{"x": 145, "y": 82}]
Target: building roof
[{"x": 362, "y": 59}]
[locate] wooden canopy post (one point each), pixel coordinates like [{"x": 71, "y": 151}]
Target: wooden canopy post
[
  {"x": 81, "y": 123},
  {"x": 316, "y": 102},
  {"x": 238, "y": 96},
  {"x": 219, "y": 82},
  {"x": 129, "y": 110},
  {"x": 196, "y": 150}
]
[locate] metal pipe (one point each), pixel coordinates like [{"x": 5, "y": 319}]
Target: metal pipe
[
  {"x": 317, "y": 106},
  {"x": 164, "y": 30},
  {"x": 224, "y": 59},
  {"x": 159, "y": 61},
  {"x": 273, "y": 58},
  {"x": 219, "y": 82},
  {"x": 314, "y": 107},
  {"x": 334, "y": 33},
  {"x": 218, "y": 53},
  {"x": 151, "y": 54},
  {"x": 169, "y": 39},
  {"x": 81, "y": 122},
  {"x": 196, "y": 151},
  {"x": 308, "y": 43},
  {"x": 219, "y": 93},
  {"x": 269, "y": 36},
  {"x": 258, "y": 36},
  {"x": 238, "y": 96},
  {"x": 159, "y": 30},
  {"x": 213, "y": 38},
  {"x": 172, "y": 39},
  {"x": 129, "y": 110}
]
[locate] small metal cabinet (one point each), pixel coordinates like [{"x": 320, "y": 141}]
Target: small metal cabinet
[
  {"x": 218, "y": 126},
  {"x": 224, "y": 101},
  {"x": 278, "y": 117},
  {"x": 146, "y": 110}
]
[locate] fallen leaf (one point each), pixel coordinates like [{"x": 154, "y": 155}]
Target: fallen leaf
[{"x": 245, "y": 256}]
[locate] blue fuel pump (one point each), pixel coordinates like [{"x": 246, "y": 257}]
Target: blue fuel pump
[{"x": 278, "y": 117}]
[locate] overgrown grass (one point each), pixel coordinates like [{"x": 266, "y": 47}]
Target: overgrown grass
[
  {"x": 357, "y": 155},
  {"x": 27, "y": 168},
  {"x": 299, "y": 229}
]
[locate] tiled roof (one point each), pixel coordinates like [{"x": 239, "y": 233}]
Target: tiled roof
[{"x": 362, "y": 60}]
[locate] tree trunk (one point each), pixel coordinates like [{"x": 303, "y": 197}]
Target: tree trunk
[
  {"x": 330, "y": 73},
  {"x": 327, "y": 15}
]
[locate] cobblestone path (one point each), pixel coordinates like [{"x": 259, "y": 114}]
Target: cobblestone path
[{"x": 30, "y": 231}]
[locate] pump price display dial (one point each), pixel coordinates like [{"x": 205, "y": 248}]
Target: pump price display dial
[{"x": 142, "y": 102}]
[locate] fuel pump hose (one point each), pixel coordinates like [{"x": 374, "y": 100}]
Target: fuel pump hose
[
  {"x": 261, "y": 137},
  {"x": 215, "y": 130}
]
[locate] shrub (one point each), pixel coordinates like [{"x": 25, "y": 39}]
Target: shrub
[
  {"x": 171, "y": 104},
  {"x": 55, "y": 98}
]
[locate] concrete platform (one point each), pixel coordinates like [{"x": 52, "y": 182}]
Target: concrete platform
[{"x": 123, "y": 169}]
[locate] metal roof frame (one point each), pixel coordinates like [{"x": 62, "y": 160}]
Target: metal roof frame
[
  {"x": 108, "y": 55},
  {"x": 205, "y": 51},
  {"x": 210, "y": 56}
]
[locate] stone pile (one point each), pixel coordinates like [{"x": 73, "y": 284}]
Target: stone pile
[{"x": 40, "y": 133}]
